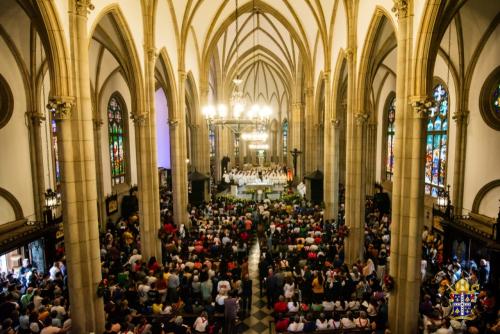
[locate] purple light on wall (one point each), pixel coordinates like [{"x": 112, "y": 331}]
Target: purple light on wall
[{"x": 162, "y": 129}]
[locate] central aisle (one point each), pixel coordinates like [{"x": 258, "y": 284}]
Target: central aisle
[{"x": 260, "y": 315}]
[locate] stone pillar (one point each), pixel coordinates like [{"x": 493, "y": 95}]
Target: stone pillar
[
  {"x": 331, "y": 168},
  {"x": 355, "y": 192},
  {"x": 370, "y": 152},
  {"x": 98, "y": 162},
  {"x": 147, "y": 166},
  {"x": 79, "y": 190},
  {"x": 295, "y": 136},
  {"x": 179, "y": 155},
  {"x": 36, "y": 152},
  {"x": 408, "y": 189},
  {"x": 310, "y": 152},
  {"x": 355, "y": 185},
  {"x": 203, "y": 146},
  {"x": 460, "y": 117}
]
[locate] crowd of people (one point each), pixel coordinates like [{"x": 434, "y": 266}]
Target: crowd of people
[
  {"x": 201, "y": 284},
  {"x": 439, "y": 276},
  {"x": 307, "y": 283}
]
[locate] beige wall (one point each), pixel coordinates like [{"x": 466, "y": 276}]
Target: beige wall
[
  {"x": 482, "y": 163},
  {"x": 15, "y": 168}
]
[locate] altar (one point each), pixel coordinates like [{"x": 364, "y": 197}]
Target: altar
[{"x": 258, "y": 189}]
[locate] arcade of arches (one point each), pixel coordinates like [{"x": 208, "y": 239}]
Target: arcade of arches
[{"x": 98, "y": 96}]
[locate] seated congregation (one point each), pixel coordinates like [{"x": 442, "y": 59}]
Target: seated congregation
[{"x": 204, "y": 281}]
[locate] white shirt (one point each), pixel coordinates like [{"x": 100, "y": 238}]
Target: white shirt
[
  {"x": 296, "y": 327},
  {"x": 321, "y": 325},
  {"x": 200, "y": 324},
  {"x": 53, "y": 272}
]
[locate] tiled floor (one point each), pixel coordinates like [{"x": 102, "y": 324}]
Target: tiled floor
[{"x": 258, "y": 321}]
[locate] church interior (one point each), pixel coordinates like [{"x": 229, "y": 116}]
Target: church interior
[{"x": 249, "y": 166}]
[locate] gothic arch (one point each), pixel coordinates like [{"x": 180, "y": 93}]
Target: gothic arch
[
  {"x": 165, "y": 79},
  {"x": 371, "y": 57},
  {"x": 14, "y": 203},
  {"x": 482, "y": 192},
  {"x": 127, "y": 59}
]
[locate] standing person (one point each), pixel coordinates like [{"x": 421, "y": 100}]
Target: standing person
[
  {"x": 247, "y": 294},
  {"x": 231, "y": 308}
]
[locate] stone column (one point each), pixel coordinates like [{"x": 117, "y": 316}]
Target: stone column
[
  {"x": 310, "y": 152},
  {"x": 98, "y": 162},
  {"x": 179, "y": 155},
  {"x": 355, "y": 185},
  {"x": 408, "y": 189},
  {"x": 331, "y": 169},
  {"x": 370, "y": 152},
  {"x": 79, "y": 189},
  {"x": 355, "y": 192},
  {"x": 460, "y": 117},
  {"x": 35, "y": 135},
  {"x": 296, "y": 134},
  {"x": 203, "y": 147}
]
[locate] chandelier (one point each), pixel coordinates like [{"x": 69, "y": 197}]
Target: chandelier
[{"x": 237, "y": 116}]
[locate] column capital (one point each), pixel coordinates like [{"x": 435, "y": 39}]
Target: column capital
[
  {"x": 400, "y": 8},
  {"x": 326, "y": 75},
  {"x": 83, "y": 7},
  {"x": 421, "y": 105},
  {"x": 461, "y": 116},
  {"x": 349, "y": 52},
  {"x": 36, "y": 117},
  {"x": 139, "y": 119},
  {"x": 97, "y": 122},
  {"x": 61, "y": 107},
  {"x": 335, "y": 122},
  {"x": 297, "y": 105},
  {"x": 173, "y": 123},
  {"x": 182, "y": 74},
  {"x": 151, "y": 53},
  {"x": 360, "y": 118},
  {"x": 309, "y": 91}
]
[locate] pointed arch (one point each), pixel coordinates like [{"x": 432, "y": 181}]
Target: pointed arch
[
  {"x": 165, "y": 79},
  {"x": 129, "y": 61},
  {"x": 371, "y": 59}
]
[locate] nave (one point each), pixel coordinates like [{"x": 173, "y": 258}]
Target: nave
[{"x": 119, "y": 118}]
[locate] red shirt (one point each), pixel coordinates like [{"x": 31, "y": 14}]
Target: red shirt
[
  {"x": 282, "y": 325},
  {"x": 280, "y": 307}
]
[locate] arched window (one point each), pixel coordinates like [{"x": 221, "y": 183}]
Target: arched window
[
  {"x": 391, "y": 117},
  {"x": 117, "y": 137},
  {"x": 437, "y": 142},
  {"x": 285, "y": 139}
]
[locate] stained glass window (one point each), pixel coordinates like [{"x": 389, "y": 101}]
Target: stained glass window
[
  {"x": 496, "y": 100},
  {"x": 55, "y": 152},
  {"x": 116, "y": 141},
  {"x": 436, "y": 147},
  {"x": 391, "y": 117},
  {"x": 285, "y": 139}
]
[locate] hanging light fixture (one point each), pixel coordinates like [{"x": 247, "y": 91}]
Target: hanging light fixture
[{"x": 237, "y": 116}]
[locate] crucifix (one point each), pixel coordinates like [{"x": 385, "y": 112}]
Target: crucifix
[{"x": 295, "y": 153}]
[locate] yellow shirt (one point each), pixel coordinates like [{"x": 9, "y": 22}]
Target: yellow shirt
[
  {"x": 157, "y": 308},
  {"x": 316, "y": 286}
]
